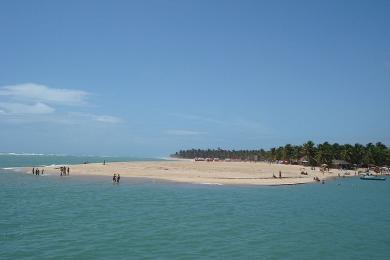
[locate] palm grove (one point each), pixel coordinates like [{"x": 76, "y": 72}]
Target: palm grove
[{"x": 376, "y": 154}]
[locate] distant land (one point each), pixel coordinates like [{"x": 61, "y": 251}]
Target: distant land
[{"x": 357, "y": 155}]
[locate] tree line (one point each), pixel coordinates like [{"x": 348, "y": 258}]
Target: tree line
[{"x": 315, "y": 155}]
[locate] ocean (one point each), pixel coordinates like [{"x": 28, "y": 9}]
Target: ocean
[
  {"x": 10, "y": 160},
  {"x": 91, "y": 218}
]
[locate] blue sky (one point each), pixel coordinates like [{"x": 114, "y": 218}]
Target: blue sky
[{"x": 147, "y": 78}]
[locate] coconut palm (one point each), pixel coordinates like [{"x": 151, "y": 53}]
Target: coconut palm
[{"x": 309, "y": 152}]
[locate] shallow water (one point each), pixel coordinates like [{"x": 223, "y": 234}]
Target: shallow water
[{"x": 79, "y": 218}]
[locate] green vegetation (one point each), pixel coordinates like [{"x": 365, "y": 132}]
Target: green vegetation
[{"x": 376, "y": 154}]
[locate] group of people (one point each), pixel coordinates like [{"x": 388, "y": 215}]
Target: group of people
[
  {"x": 64, "y": 171},
  {"x": 36, "y": 171},
  {"x": 318, "y": 179},
  {"x": 116, "y": 178}
]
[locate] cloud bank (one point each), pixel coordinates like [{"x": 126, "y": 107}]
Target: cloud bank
[
  {"x": 42, "y": 93},
  {"x": 18, "y": 108},
  {"x": 37, "y": 99},
  {"x": 98, "y": 118}
]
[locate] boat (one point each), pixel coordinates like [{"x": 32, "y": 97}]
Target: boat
[{"x": 372, "y": 178}]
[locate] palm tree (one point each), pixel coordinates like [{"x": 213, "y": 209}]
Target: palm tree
[
  {"x": 347, "y": 153},
  {"x": 288, "y": 152},
  {"x": 368, "y": 154},
  {"x": 273, "y": 154},
  {"x": 378, "y": 154},
  {"x": 337, "y": 150},
  {"x": 309, "y": 152},
  {"x": 297, "y": 152},
  {"x": 358, "y": 152},
  {"x": 279, "y": 153}
]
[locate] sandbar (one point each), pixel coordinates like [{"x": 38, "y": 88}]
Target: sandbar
[{"x": 217, "y": 173}]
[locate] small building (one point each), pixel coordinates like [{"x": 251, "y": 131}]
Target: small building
[
  {"x": 303, "y": 161},
  {"x": 340, "y": 164}
]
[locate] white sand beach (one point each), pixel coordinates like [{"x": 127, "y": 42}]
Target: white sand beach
[{"x": 188, "y": 171}]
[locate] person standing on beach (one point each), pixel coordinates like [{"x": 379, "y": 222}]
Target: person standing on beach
[
  {"x": 68, "y": 171},
  {"x": 42, "y": 171},
  {"x": 114, "y": 178},
  {"x": 280, "y": 174},
  {"x": 118, "y": 178}
]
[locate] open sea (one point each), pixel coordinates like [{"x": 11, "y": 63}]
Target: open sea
[{"x": 90, "y": 218}]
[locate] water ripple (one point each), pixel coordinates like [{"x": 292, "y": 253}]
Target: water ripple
[{"x": 83, "y": 219}]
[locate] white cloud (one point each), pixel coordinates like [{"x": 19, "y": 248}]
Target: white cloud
[
  {"x": 22, "y": 109},
  {"x": 184, "y": 132},
  {"x": 19, "y": 102},
  {"x": 107, "y": 119},
  {"x": 98, "y": 118},
  {"x": 32, "y": 92}
]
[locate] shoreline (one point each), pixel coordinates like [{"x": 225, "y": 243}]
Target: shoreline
[{"x": 207, "y": 173}]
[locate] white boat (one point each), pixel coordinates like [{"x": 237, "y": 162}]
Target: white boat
[{"x": 372, "y": 178}]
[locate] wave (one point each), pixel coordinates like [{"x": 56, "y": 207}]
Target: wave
[
  {"x": 12, "y": 169},
  {"x": 45, "y": 154},
  {"x": 27, "y": 154},
  {"x": 54, "y": 165},
  {"x": 51, "y": 165},
  {"x": 66, "y": 155}
]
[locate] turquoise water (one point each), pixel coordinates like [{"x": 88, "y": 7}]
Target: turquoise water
[
  {"x": 80, "y": 218},
  {"x": 15, "y": 160}
]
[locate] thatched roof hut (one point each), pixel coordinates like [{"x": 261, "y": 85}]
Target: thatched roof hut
[{"x": 340, "y": 164}]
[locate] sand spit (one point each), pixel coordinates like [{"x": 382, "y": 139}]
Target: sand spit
[{"x": 218, "y": 173}]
